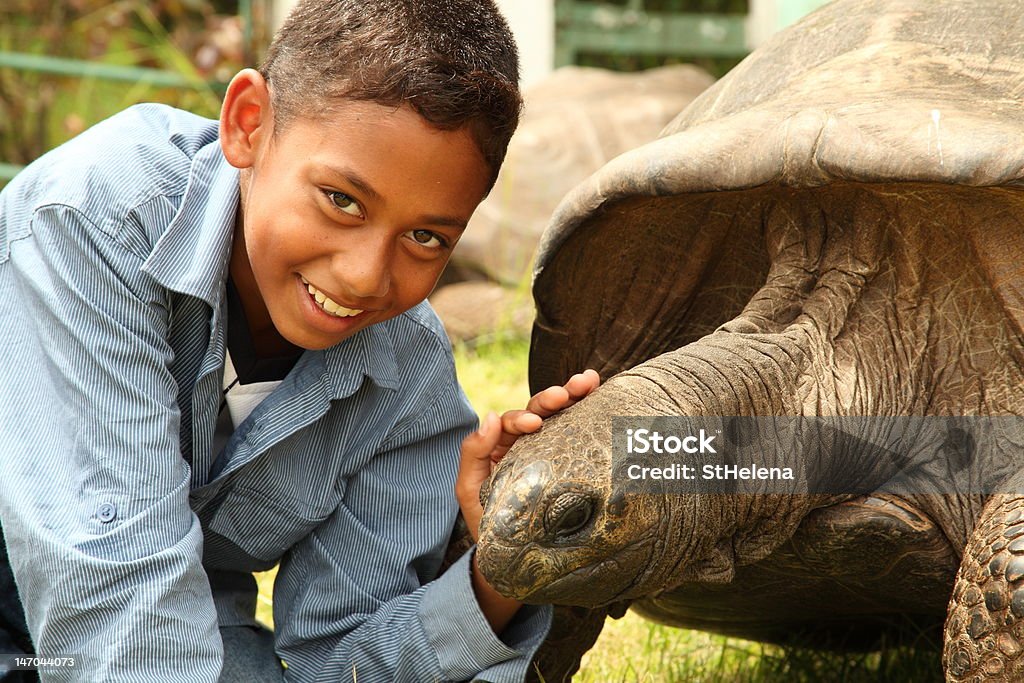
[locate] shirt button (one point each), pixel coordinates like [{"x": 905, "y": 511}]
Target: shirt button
[{"x": 106, "y": 512}]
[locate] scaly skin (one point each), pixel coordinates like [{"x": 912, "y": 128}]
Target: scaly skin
[{"x": 984, "y": 635}]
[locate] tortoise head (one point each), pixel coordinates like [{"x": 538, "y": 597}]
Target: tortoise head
[
  {"x": 557, "y": 529},
  {"x": 563, "y": 524}
]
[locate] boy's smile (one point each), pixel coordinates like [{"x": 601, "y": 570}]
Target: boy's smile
[{"x": 345, "y": 220}]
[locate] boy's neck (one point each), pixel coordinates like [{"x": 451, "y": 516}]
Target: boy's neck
[
  {"x": 252, "y": 364},
  {"x": 267, "y": 342}
]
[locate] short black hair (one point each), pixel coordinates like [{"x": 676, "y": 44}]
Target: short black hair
[{"x": 453, "y": 61}]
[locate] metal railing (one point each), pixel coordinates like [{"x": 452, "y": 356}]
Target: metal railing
[
  {"x": 78, "y": 68},
  {"x": 629, "y": 29}
]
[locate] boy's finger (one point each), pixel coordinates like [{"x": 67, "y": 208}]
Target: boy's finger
[
  {"x": 581, "y": 384},
  {"x": 518, "y": 422},
  {"x": 489, "y": 432},
  {"x": 477, "y": 447},
  {"x": 514, "y": 423},
  {"x": 474, "y": 468},
  {"x": 548, "y": 402},
  {"x": 553, "y": 399}
]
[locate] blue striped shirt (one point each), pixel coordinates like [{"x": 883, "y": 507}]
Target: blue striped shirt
[{"x": 130, "y": 539}]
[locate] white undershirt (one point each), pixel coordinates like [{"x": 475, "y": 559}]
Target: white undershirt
[{"x": 242, "y": 399}]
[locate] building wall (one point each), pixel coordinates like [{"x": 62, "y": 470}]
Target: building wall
[
  {"x": 768, "y": 16},
  {"x": 532, "y": 22},
  {"x": 279, "y": 10}
]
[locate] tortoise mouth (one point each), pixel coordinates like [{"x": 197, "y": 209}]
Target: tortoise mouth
[{"x": 532, "y": 573}]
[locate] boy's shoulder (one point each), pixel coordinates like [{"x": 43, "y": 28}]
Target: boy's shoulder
[
  {"x": 422, "y": 369},
  {"x": 408, "y": 351},
  {"x": 409, "y": 356},
  {"x": 143, "y": 152},
  {"x": 419, "y": 328}
]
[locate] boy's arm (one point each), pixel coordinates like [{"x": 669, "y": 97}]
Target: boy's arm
[
  {"x": 485, "y": 448},
  {"x": 93, "y": 487},
  {"x": 354, "y": 600},
  {"x": 361, "y": 593}
]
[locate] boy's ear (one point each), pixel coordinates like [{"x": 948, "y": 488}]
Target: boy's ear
[{"x": 246, "y": 118}]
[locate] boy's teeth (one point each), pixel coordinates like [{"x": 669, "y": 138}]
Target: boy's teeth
[{"x": 329, "y": 305}]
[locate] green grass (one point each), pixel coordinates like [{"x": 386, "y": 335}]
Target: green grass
[
  {"x": 494, "y": 375},
  {"x": 633, "y": 650}
]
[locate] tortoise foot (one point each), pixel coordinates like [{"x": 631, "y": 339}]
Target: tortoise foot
[
  {"x": 573, "y": 631},
  {"x": 984, "y": 636}
]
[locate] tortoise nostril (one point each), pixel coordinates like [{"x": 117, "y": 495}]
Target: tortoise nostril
[{"x": 569, "y": 513}]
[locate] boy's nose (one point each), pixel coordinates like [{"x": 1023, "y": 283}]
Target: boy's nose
[{"x": 366, "y": 271}]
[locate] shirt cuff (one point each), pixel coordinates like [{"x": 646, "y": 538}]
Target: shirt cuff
[{"x": 462, "y": 639}]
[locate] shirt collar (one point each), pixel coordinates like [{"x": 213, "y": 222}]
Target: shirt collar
[
  {"x": 192, "y": 254},
  {"x": 369, "y": 353}
]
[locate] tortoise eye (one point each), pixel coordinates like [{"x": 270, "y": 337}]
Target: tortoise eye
[{"x": 568, "y": 514}]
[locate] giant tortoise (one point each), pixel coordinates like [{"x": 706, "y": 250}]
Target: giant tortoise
[{"x": 836, "y": 228}]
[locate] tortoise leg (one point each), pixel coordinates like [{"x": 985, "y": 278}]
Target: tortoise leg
[
  {"x": 573, "y": 632},
  {"x": 984, "y": 638}
]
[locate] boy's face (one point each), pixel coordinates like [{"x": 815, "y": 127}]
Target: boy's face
[{"x": 349, "y": 219}]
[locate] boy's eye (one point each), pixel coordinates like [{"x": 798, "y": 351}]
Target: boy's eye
[
  {"x": 427, "y": 238},
  {"x": 345, "y": 203}
]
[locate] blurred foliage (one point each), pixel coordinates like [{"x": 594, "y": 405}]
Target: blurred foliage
[
  {"x": 203, "y": 40},
  {"x": 716, "y": 66}
]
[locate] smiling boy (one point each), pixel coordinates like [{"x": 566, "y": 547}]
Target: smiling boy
[
  {"x": 303, "y": 187},
  {"x": 216, "y": 358}
]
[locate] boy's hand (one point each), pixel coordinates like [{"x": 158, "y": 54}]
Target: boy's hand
[{"x": 484, "y": 448}]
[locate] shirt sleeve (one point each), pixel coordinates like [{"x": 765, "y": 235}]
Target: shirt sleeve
[
  {"x": 360, "y": 599},
  {"x": 94, "y": 490}
]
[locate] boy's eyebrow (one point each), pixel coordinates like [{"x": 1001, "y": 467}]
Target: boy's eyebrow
[
  {"x": 360, "y": 183},
  {"x": 356, "y": 181},
  {"x": 447, "y": 221}
]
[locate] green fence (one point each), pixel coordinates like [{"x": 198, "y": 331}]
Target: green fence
[
  {"x": 639, "y": 34},
  {"x": 634, "y": 29}
]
